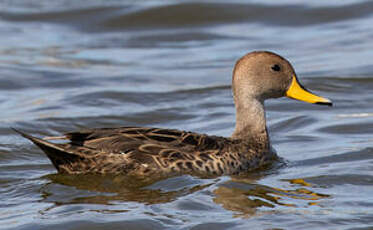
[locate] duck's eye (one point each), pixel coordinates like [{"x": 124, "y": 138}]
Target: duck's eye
[{"x": 276, "y": 67}]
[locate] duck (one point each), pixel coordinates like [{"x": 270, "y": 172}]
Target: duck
[{"x": 147, "y": 151}]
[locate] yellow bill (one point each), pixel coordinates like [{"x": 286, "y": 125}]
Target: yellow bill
[{"x": 298, "y": 92}]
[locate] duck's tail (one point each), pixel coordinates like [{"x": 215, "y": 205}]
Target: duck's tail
[{"x": 58, "y": 155}]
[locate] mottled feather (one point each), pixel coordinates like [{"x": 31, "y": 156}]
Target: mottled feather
[{"x": 145, "y": 151}]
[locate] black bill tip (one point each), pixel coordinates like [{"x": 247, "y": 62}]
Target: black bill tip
[{"x": 324, "y": 103}]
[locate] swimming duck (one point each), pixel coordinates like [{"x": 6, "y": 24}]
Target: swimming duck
[{"x": 257, "y": 76}]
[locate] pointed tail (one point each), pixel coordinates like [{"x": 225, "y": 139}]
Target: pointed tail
[{"x": 58, "y": 155}]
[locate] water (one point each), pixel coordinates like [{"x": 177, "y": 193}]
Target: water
[{"x": 69, "y": 64}]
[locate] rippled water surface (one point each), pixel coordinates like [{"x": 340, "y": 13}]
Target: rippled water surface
[{"x": 70, "y": 64}]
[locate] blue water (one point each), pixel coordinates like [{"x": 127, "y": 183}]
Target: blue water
[{"x": 65, "y": 65}]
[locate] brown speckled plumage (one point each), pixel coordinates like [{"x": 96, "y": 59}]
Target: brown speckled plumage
[
  {"x": 154, "y": 151},
  {"x": 147, "y": 151}
]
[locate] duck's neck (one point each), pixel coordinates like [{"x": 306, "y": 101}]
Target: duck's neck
[{"x": 251, "y": 121}]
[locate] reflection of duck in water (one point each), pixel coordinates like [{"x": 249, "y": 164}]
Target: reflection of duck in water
[
  {"x": 241, "y": 194},
  {"x": 245, "y": 197},
  {"x": 147, "y": 151}
]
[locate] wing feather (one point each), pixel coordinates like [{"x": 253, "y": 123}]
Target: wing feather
[{"x": 144, "y": 140}]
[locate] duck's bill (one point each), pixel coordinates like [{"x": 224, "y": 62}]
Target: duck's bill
[{"x": 298, "y": 92}]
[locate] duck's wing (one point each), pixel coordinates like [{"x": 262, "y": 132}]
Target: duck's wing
[{"x": 124, "y": 139}]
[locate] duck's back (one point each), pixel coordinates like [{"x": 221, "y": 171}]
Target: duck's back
[{"x": 140, "y": 151}]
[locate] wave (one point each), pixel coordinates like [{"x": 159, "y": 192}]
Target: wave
[{"x": 194, "y": 14}]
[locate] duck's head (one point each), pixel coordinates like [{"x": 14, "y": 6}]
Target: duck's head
[{"x": 262, "y": 75}]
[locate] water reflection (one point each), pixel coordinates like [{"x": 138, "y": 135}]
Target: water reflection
[
  {"x": 245, "y": 198},
  {"x": 242, "y": 195}
]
